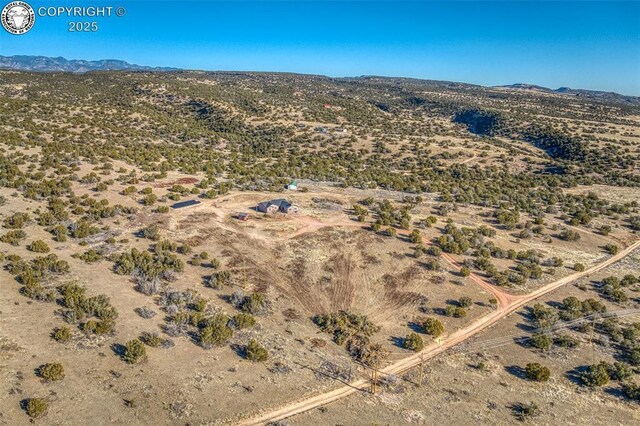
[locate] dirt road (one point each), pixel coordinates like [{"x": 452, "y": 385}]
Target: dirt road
[{"x": 507, "y": 305}]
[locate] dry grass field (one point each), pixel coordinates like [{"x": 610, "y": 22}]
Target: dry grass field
[{"x": 495, "y": 361}]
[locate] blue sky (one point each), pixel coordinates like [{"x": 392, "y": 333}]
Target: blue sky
[{"x": 591, "y": 45}]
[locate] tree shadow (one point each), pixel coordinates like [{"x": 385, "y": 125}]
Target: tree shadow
[
  {"x": 440, "y": 311},
  {"x": 397, "y": 341},
  {"x": 575, "y": 375},
  {"x": 118, "y": 349},
  {"x": 240, "y": 350},
  {"x": 525, "y": 314},
  {"x": 555, "y": 304},
  {"x": 523, "y": 341},
  {"x": 516, "y": 371},
  {"x": 414, "y": 326},
  {"x": 526, "y": 327},
  {"x": 195, "y": 338},
  {"x": 225, "y": 298},
  {"x": 617, "y": 393}
]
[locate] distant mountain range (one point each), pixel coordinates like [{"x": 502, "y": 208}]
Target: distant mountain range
[
  {"x": 593, "y": 94},
  {"x": 48, "y": 64}
]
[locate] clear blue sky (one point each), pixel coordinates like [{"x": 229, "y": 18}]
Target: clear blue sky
[{"x": 591, "y": 45}]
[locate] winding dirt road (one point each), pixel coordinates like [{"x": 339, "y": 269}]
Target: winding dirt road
[{"x": 507, "y": 304}]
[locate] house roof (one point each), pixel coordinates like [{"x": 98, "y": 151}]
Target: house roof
[{"x": 280, "y": 202}]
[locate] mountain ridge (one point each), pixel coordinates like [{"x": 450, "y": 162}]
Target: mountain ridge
[
  {"x": 79, "y": 66},
  {"x": 60, "y": 64}
]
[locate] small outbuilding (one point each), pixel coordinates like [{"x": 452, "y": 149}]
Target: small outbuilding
[
  {"x": 243, "y": 216},
  {"x": 293, "y": 186},
  {"x": 183, "y": 204}
]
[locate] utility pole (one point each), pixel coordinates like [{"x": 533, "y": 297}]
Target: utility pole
[
  {"x": 421, "y": 370},
  {"x": 374, "y": 379},
  {"x": 244, "y": 272},
  {"x": 591, "y": 335}
]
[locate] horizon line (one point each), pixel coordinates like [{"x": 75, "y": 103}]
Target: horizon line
[{"x": 165, "y": 69}]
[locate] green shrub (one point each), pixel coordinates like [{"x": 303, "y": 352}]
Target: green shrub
[
  {"x": 200, "y": 304},
  {"x": 105, "y": 327},
  {"x": 62, "y": 334},
  {"x": 596, "y": 375},
  {"x": 254, "y": 304},
  {"x": 185, "y": 249},
  {"x": 216, "y": 331},
  {"x": 605, "y": 229},
  {"x": 255, "y": 352},
  {"x": 16, "y": 221},
  {"x": 59, "y": 233},
  {"x": 351, "y": 331},
  {"x": 129, "y": 190},
  {"x": 455, "y": 311},
  {"x": 631, "y": 390},
  {"x": 433, "y": 327},
  {"x": 612, "y": 249},
  {"x": 524, "y": 411},
  {"x": 465, "y": 302},
  {"x": 344, "y": 323},
  {"x": 90, "y": 327},
  {"x": 166, "y": 246},
  {"x": 150, "y": 199},
  {"x": 569, "y": 235},
  {"x": 134, "y": 352},
  {"x": 34, "y": 290},
  {"x": 89, "y": 256},
  {"x": 413, "y": 342},
  {"x": 537, "y": 372},
  {"x": 151, "y": 339},
  {"x": 151, "y": 232},
  {"x": 219, "y": 279},
  {"x": 566, "y": 341},
  {"x": 619, "y": 371},
  {"x": 149, "y": 266},
  {"x": 434, "y": 251},
  {"x": 243, "y": 320},
  {"x": 36, "y": 407},
  {"x": 38, "y": 246},
  {"x": 73, "y": 295},
  {"x": 51, "y": 372},
  {"x": 541, "y": 341},
  {"x": 13, "y": 237},
  {"x": 83, "y": 229}
]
